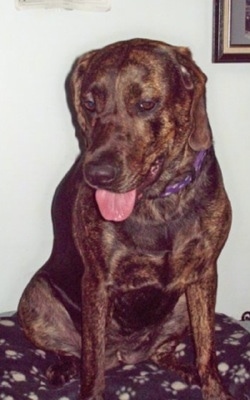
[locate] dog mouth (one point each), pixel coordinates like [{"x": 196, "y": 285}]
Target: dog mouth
[{"x": 118, "y": 207}]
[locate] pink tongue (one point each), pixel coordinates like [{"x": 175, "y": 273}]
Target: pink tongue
[{"x": 115, "y": 206}]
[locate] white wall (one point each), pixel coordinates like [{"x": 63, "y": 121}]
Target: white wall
[{"x": 37, "y": 49}]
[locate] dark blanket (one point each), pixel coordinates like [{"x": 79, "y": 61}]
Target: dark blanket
[{"x": 22, "y": 368}]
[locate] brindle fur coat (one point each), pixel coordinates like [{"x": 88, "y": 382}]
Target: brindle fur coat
[{"x": 133, "y": 265}]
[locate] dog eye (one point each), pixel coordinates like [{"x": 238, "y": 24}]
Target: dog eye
[
  {"x": 89, "y": 105},
  {"x": 146, "y": 105}
]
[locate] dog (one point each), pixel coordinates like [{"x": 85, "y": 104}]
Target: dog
[{"x": 139, "y": 222}]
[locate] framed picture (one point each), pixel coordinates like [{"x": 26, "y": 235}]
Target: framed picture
[
  {"x": 231, "y": 31},
  {"x": 86, "y": 5}
]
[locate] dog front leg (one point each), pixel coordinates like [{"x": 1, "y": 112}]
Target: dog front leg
[
  {"x": 87, "y": 233},
  {"x": 201, "y": 298},
  {"x": 94, "y": 311}
]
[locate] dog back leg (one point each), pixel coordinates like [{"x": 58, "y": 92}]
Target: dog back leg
[
  {"x": 48, "y": 325},
  {"x": 201, "y": 297}
]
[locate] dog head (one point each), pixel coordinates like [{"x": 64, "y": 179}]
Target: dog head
[{"x": 140, "y": 105}]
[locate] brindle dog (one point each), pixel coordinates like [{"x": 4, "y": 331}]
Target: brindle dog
[{"x": 139, "y": 222}]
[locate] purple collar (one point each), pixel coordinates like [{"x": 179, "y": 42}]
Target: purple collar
[{"x": 176, "y": 187}]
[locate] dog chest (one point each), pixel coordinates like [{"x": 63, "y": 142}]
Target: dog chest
[
  {"x": 147, "y": 236},
  {"x": 142, "y": 307}
]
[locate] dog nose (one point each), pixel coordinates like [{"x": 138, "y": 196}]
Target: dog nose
[{"x": 99, "y": 174}]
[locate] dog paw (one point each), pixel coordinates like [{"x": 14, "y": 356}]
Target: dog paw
[
  {"x": 218, "y": 393},
  {"x": 222, "y": 396},
  {"x": 61, "y": 372}
]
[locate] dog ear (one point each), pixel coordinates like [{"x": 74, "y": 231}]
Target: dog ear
[
  {"x": 194, "y": 79},
  {"x": 76, "y": 77}
]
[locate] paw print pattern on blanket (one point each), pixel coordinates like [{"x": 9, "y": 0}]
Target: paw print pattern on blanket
[
  {"x": 234, "y": 339},
  {"x": 246, "y": 356},
  {"x": 239, "y": 374},
  {"x": 13, "y": 354},
  {"x": 14, "y": 376},
  {"x": 125, "y": 393},
  {"x": 32, "y": 396},
  {"x": 22, "y": 369},
  {"x": 174, "y": 388},
  {"x": 142, "y": 378},
  {"x": 3, "y": 397},
  {"x": 180, "y": 350}
]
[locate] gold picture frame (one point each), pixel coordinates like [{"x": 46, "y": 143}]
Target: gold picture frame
[{"x": 231, "y": 31}]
